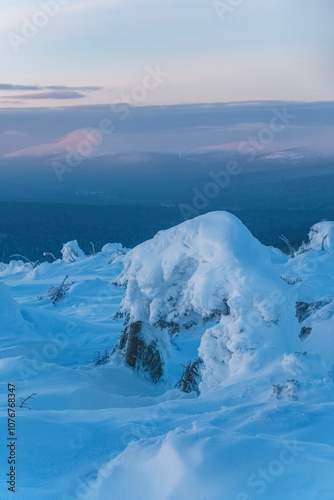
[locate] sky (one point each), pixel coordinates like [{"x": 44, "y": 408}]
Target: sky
[
  {"x": 268, "y": 127},
  {"x": 149, "y": 52}
]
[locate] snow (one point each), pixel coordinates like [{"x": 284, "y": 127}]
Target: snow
[
  {"x": 71, "y": 251},
  {"x": 9, "y": 309},
  {"x": 187, "y": 272},
  {"x": 321, "y": 236},
  {"x": 262, "y": 424}
]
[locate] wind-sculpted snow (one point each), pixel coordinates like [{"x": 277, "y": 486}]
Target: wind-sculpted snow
[{"x": 203, "y": 302}]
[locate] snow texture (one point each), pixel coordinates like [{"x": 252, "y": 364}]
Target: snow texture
[{"x": 261, "y": 425}]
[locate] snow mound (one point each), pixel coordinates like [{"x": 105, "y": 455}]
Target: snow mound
[
  {"x": 9, "y": 310},
  {"x": 112, "y": 248},
  {"x": 14, "y": 267},
  {"x": 322, "y": 236},
  {"x": 208, "y": 269},
  {"x": 71, "y": 251}
]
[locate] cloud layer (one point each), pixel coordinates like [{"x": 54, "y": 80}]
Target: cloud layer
[
  {"x": 53, "y": 92},
  {"x": 202, "y": 129},
  {"x": 10, "y": 86},
  {"x": 60, "y": 94},
  {"x": 253, "y": 49}
]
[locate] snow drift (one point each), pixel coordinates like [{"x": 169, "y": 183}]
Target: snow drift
[{"x": 9, "y": 311}]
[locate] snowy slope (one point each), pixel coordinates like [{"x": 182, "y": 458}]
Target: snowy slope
[{"x": 262, "y": 426}]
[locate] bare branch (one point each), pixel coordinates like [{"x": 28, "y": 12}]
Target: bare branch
[
  {"x": 33, "y": 264},
  {"x": 49, "y": 253},
  {"x": 92, "y": 252},
  {"x": 56, "y": 293},
  {"x": 24, "y": 403},
  {"x": 292, "y": 251}
]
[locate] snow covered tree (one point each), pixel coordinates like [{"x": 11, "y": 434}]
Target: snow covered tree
[{"x": 190, "y": 376}]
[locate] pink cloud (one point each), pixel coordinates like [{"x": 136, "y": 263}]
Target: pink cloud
[{"x": 74, "y": 140}]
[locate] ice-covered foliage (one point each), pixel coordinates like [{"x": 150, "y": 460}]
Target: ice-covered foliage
[
  {"x": 71, "y": 251},
  {"x": 211, "y": 269},
  {"x": 313, "y": 271},
  {"x": 101, "y": 358},
  {"x": 58, "y": 292},
  {"x": 322, "y": 236},
  {"x": 190, "y": 377}
]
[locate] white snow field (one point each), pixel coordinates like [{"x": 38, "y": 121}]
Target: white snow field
[{"x": 259, "y": 422}]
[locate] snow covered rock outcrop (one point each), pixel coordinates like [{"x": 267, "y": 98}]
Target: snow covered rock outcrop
[{"x": 212, "y": 271}]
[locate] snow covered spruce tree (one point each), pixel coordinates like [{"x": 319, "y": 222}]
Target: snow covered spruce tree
[
  {"x": 189, "y": 379},
  {"x": 207, "y": 276}
]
